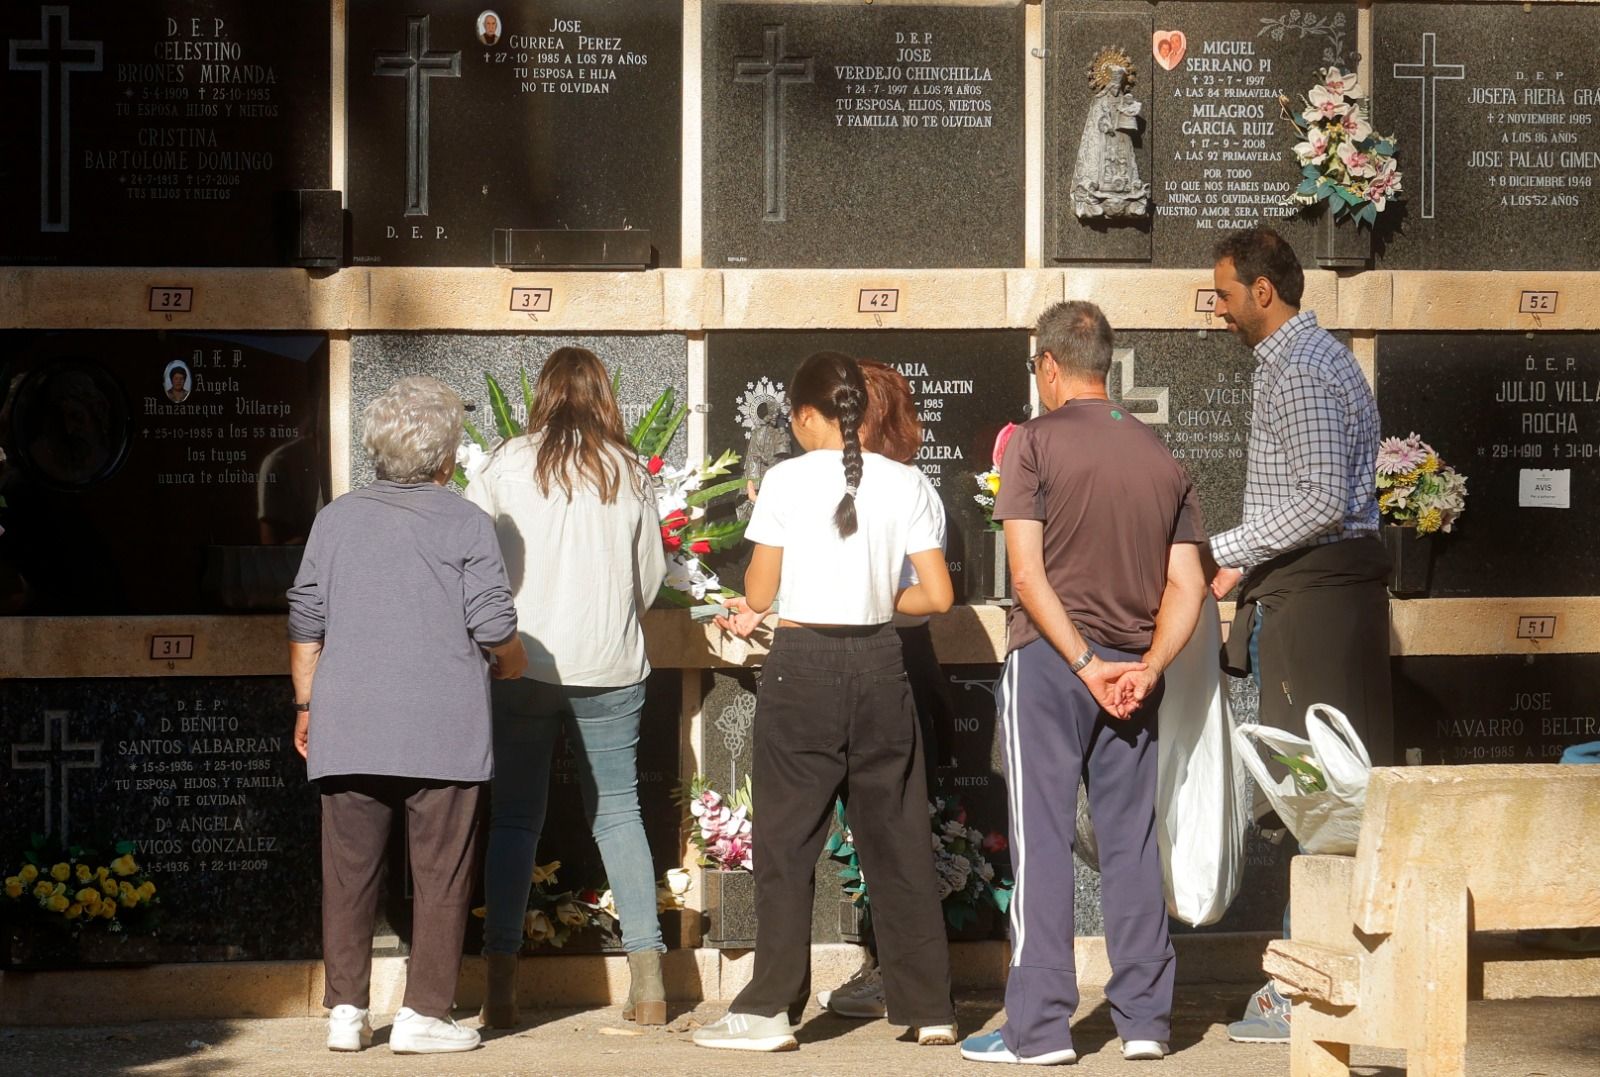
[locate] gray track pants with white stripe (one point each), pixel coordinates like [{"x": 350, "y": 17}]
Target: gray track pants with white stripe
[{"x": 1053, "y": 731}]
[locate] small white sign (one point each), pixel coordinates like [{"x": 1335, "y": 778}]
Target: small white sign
[{"x": 1543, "y": 488}]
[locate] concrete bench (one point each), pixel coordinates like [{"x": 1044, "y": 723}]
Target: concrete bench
[{"x": 1379, "y": 949}]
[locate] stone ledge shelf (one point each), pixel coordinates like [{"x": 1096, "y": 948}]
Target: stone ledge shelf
[
  {"x": 376, "y": 299},
  {"x": 245, "y": 645}
]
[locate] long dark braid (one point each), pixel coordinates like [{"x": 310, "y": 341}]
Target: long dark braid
[{"x": 831, "y": 382}]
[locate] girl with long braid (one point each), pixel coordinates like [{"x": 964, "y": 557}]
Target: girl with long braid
[{"x": 835, "y": 713}]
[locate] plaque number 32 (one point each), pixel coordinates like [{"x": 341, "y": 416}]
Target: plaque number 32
[{"x": 168, "y": 300}]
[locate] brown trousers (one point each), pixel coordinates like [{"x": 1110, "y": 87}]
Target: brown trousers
[{"x": 442, "y": 821}]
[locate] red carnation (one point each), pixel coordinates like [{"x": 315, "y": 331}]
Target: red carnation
[
  {"x": 654, "y": 465},
  {"x": 671, "y": 542},
  {"x": 700, "y": 547},
  {"x": 674, "y": 520}
]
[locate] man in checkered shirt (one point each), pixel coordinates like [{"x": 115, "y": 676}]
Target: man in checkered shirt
[{"x": 1313, "y": 620}]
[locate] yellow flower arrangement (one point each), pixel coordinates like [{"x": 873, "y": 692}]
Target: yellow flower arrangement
[{"x": 73, "y": 887}]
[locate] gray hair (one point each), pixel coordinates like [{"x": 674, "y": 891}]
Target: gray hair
[
  {"x": 1079, "y": 337},
  {"x": 413, "y": 429}
]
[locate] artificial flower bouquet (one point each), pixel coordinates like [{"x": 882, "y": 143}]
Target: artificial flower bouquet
[
  {"x": 989, "y": 481},
  {"x": 1343, "y": 161},
  {"x": 555, "y": 916},
  {"x": 1416, "y": 488},
  {"x": 967, "y": 878},
  {"x": 720, "y": 824},
  {"x": 683, "y": 494},
  {"x": 77, "y": 889}
]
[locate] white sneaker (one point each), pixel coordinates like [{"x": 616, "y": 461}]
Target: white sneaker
[
  {"x": 936, "y": 1036},
  {"x": 1143, "y": 1050},
  {"x": 349, "y": 1029},
  {"x": 414, "y": 1034},
  {"x": 860, "y": 996},
  {"x": 747, "y": 1032}
]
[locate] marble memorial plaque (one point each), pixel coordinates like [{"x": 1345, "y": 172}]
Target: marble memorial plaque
[
  {"x": 967, "y": 384},
  {"x": 1453, "y": 709},
  {"x": 646, "y": 364},
  {"x": 158, "y": 472},
  {"x": 838, "y": 135},
  {"x": 467, "y": 117},
  {"x": 1209, "y": 137},
  {"x": 201, "y": 776},
  {"x": 1512, "y": 412},
  {"x": 142, "y": 133},
  {"x": 1495, "y": 109}
]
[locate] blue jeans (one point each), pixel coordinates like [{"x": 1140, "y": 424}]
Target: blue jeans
[{"x": 604, "y": 722}]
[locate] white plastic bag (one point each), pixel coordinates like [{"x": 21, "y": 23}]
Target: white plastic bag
[
  {"x": 1201, "y": 811},
  {"x": 1327, "y": 820}
]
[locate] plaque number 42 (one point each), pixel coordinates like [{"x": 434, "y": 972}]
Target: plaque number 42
[{"x": 878, "y": 301}]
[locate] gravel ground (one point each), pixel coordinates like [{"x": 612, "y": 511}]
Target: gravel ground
[{"x": 1523, "y": 1038}]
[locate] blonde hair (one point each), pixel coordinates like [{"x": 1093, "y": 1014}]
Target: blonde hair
[{"x": 412, "y": 430}]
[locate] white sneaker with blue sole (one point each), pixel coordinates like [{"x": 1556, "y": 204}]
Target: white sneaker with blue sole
[{"x": 989, "y": 1047}]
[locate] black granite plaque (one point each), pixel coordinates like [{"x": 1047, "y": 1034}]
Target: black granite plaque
[
  {"x": 142, "y": 133},
  {"x": 1519, "y": 415},
  {"x": 1193, "y": 389},
  {"x": 967, "y": 384},
  {"x": 155, "y": 472},
  {"x": 1211, "y": 141},
  {"x": 845, "y": 135},
  {"x": 566, "y": 836},
  {"x": 201, "y": 776},
  {"x": 1494, "y": 708},
  {"x": 468, "y": 117},
  {"x": 1494, "y": 107},
  {"x": 644, "y": 363}
]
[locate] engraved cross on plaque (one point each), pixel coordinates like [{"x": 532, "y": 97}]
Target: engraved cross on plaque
[
  {"x": 417, "y": 65},
  {"x": 775, "y": 70},
  {"x": 56, "y": 751},
  {"x": 55, "y": 56},
  {"x": 1428, "y": 72},
  {"x": 1126, "y": 391}
]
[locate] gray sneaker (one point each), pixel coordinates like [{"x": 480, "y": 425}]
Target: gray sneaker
[
  {"x": 859, "y": 996},
  {"x": 1266, "y": 1019},
  {"x": 747, "y": 1032}
]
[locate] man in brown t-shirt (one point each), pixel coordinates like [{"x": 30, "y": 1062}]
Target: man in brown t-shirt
[{"x": 1102, "y": 534}]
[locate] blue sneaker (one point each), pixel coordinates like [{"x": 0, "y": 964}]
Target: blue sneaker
[
  {"x": 1266, "y": 1019},
  {"x": 989, "y": 1047}
]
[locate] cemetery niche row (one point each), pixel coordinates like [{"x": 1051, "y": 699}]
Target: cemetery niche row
[
  {"x": 216, "y": 444},
  {"x": 533, "y": 134}
]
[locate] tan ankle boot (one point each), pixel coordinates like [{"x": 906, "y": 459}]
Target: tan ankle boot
[
  {"x": 500, "y": 998},
  {"x": 647, "y": 992}
]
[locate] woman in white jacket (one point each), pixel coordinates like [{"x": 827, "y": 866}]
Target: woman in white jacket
[{"x": 577, "y": 523}]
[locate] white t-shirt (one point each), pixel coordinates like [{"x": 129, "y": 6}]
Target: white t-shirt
[
  {"x": 843, "y": 581},
  {"x": 908, "y": 574},
  {"x": 582, "y": 571}
]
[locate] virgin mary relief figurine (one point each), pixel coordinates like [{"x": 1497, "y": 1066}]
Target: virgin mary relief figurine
[{"x": 1106, "y": 181}]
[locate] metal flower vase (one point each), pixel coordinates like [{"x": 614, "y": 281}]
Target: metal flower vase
[
  {"x": 1410, "y": 559},
  {"x": 1343, "y": 244}
]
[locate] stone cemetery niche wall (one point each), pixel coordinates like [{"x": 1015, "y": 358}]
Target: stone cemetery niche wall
[
  {"x": 838, "y": 135},
  {"x": 646, "y": 364},
  {"x": 201, "y": 776},
  {"x": 1209, "y": 138},
  {"x": 158, "y": 472},
  {"x": 1519, "y": 415},
  {"x": 468, "y": 117},
  {"x": 1452, "y": 709},
  {"x": 142, "y": 133},
  {"x": 967, "y": 384},
  {"x": 1495, "y": 109}
]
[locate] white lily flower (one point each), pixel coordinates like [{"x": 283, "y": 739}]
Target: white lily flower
[{"x": 471, "y": 459}]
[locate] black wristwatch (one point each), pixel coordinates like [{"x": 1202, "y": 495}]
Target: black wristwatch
[{"x": 306, "y": 706}]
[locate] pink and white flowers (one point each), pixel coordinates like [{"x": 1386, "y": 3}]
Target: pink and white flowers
[
  {"x": 1342, "y": 160},
  {"x": 720, "y": 826}
]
